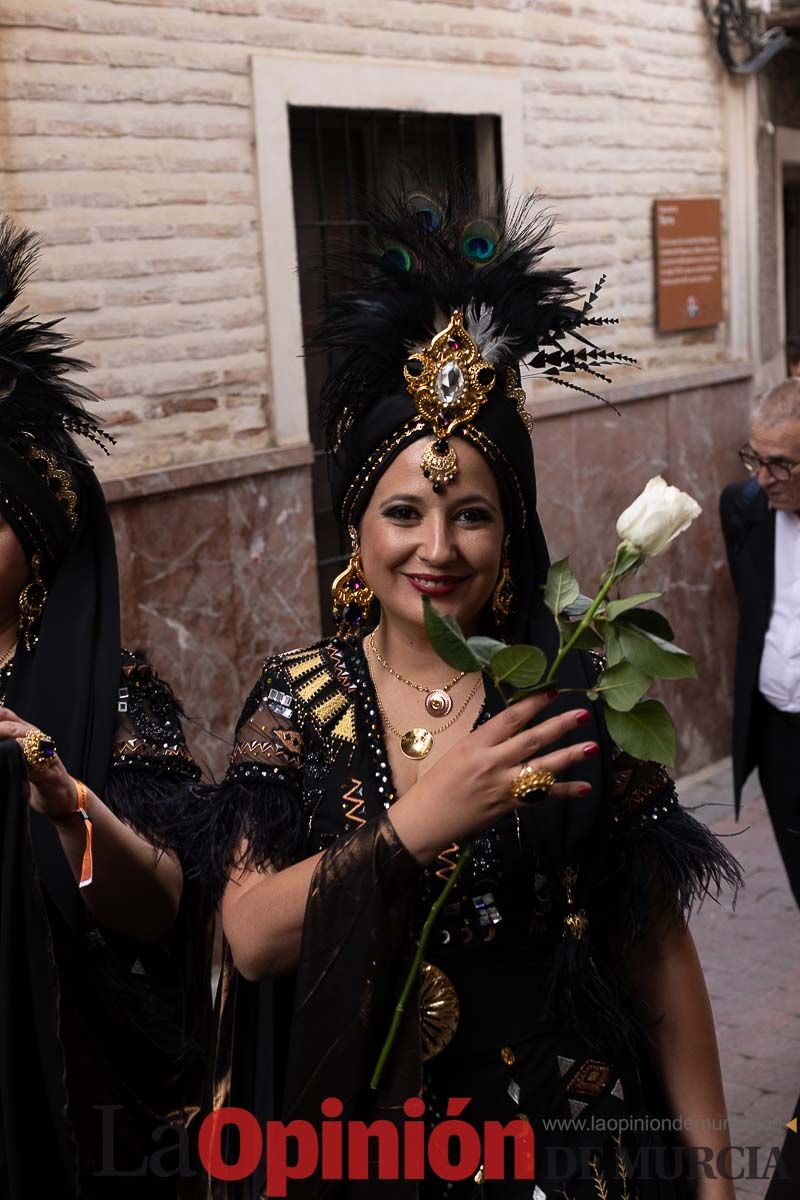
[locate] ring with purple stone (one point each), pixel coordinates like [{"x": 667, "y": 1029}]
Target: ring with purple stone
[{"x": 39, "y": 751}]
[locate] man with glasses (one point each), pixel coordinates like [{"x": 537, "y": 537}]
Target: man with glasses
[{"x": 761, "y": 525}]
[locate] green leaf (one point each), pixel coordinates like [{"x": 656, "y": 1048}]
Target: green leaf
[
  {"x": 562, "y": 588},
  {"x": 447, "y": 639},
  {"x": 646, "y": 732},
  {"x": 615, "y": 607},
  {"x": 654, "y": 656},
  {"x": 578, "y": 607},
  {"x": 485, "y": 648},
  {"x": 622, "y": 686},
  {"x": 588, "y": 640},
  {"x": 521, "y": 666},
  {"x": 649, "y": 621},
  {"x": 614, "y": 652}
]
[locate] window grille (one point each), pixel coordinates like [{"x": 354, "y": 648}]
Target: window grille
[{"x": 340, "y": 156}]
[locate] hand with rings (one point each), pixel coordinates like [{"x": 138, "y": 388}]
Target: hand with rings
[
  {"x": 532, "y": 783},
  {"x": 504, "y": 763},
  {"x": 52, "y": 788}
]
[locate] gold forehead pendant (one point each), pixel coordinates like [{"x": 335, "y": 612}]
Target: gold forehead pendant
[{"x": 448, "y": 382}]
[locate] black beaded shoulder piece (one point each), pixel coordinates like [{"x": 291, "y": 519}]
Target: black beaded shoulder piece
[{"x": 302, "y": 696}]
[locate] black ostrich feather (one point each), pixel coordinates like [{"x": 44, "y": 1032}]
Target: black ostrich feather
[
  {"x": 34, "y": 360},
  {"x": 426, "y": 254}
]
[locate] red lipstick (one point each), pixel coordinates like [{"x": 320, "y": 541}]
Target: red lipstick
[{"x": 435, "y": 585}]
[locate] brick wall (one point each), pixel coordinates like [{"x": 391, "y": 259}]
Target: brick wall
[{"x": 127, "y": 138}]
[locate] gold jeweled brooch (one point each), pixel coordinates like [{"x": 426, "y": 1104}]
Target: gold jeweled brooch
[{"x": 448, "y": 383}]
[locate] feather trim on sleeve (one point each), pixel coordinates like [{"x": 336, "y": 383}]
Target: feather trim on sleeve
[
  {"x": 152, "y": 771},
  {"x": 254, "y": 818}
]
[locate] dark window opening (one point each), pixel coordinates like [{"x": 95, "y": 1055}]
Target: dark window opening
[{"x": 339, "y": 156}]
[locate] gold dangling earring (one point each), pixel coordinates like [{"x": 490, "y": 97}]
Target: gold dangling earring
[
  {"x": 32, "y": 600},
  {"x": 352, "y": 595},
  {"x": 503, "y": 595}
]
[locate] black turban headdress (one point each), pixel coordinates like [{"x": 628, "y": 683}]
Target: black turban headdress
[{"x": 441, "y": 306}]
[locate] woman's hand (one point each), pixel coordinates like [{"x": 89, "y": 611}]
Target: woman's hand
[
  {"x": 469, "y": 788},
  {"x": 52, "y": 791},
  {"x": 135, "y": 889}
]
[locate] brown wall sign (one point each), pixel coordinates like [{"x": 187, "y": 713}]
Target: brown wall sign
[{"x": 688, "y": 256}]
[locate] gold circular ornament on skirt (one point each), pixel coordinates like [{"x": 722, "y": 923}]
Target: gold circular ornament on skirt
[
  {"x": 416, "y": 743},
  {"x": 438, "y": 1010}
]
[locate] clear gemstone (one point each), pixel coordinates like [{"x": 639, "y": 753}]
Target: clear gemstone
[{"x": 450, "y": 383}]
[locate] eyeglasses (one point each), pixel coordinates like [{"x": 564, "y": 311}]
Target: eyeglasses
[{"x": 779, "y": 469}]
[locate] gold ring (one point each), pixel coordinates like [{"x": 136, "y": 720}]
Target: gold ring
[
  {"x": 532, "y": 783},
  {"x": 39, "y": 750}
]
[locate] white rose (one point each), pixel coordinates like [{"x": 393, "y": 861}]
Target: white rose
[{"x": 657, "y": 516}]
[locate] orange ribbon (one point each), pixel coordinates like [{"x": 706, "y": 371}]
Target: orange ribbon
[{"x": 87, "y": 864}]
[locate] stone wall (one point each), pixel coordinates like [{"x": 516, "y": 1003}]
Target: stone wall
[{"x": 127, "y": 137}]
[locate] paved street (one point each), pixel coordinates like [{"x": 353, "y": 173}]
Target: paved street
[{"x": 752, "y": 963}]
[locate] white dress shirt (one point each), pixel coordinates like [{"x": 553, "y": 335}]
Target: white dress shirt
[{"x": 779, "y": 677}]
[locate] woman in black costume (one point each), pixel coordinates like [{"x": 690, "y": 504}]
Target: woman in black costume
[
  {"x": 103, "y": 952},
  {"x": 562, "y": 980}
]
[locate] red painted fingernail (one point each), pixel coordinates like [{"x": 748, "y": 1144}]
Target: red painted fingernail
[
  {"x": 583, "y": 717},
  {"x": 590, "y": 749},
  {"x": 585, "y": 790}
]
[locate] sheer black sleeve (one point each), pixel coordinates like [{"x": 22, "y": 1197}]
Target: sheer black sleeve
[
  {"x": 152, "y": 769},
  {"x": 254, "y": 818}
]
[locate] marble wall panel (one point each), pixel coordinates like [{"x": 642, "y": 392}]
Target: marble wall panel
[
  {"x": 213, "y": 579},
  {"x": 592, "y": 464}
]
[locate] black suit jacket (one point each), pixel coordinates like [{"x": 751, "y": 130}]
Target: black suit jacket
[{"x": 748, "y": 525}]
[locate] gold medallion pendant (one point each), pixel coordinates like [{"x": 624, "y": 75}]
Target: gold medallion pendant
[
  {"x": 438, "y": 703},
  {"x": 417, "y": 743}
]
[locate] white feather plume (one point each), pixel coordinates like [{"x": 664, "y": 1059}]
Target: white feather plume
[{"x": 492, "y": 342}]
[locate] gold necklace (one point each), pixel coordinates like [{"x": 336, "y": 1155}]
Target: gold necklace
[
  {"x": 438, "y": 701},
  {"x": 7, "y": 656},
  {"x": 418, "y": 743}
]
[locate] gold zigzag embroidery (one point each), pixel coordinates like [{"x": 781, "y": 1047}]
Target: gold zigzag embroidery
[
  {"x": 345, "y": 727},
  {"x": 315, "y": 684},
  {"x": 324, "y": 710},
  {"x": 353, "y": 813}
]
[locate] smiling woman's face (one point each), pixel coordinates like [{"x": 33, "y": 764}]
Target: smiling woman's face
[
  {"x": 14, "y": 573},
  {"x": 416, "y": 543}
]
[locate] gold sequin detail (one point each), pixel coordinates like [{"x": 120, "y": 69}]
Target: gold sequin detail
[{"x": 508, "y": 1056}]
